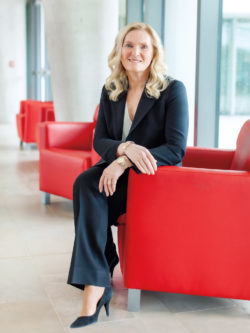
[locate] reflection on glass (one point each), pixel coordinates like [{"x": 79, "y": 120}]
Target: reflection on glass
[{"x": 235, "y": 71}]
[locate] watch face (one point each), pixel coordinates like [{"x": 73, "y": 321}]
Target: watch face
[{"x": 121, "y": 161}]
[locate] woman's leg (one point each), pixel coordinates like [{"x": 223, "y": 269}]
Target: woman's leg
[
  {"x": 88, "y": 264},
  {"x": 116, "y": 207},
  {"x": 92, "y": 247}
]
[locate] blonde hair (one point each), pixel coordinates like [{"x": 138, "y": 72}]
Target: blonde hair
[{"x": 117, "y": 81}]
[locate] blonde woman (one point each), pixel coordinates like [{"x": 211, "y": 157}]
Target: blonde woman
[{"x": 142, "y": 124}]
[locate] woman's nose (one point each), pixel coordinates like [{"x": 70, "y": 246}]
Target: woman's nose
[{"x": 136, "y": 50}]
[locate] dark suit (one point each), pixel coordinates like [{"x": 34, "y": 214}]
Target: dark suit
[{"x": 161, "y": 126}]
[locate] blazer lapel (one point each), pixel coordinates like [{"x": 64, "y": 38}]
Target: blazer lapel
[{"x": 144, "y": 106}]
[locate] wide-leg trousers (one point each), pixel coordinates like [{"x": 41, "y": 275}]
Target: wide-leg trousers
[{"x": 94, "y": 214}]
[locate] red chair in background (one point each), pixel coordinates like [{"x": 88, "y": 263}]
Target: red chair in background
[
  {"x": 31, "y": 113},
  {"x": 187, "y": 229},
  {"x": 66, "y": 150}
]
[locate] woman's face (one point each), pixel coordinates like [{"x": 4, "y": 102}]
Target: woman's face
[{"x": 137, "y": 51}]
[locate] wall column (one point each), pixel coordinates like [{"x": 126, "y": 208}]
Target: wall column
[
  {"x": 80, "y": 36},
  {"x": 12, "y": 58}
]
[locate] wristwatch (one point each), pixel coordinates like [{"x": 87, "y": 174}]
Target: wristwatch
[{"x": 122, "y": 161}]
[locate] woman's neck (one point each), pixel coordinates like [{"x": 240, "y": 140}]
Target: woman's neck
[{"x": 137, "y": 80}]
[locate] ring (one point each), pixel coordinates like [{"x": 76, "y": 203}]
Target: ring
[{"x": 109, "y": 182}]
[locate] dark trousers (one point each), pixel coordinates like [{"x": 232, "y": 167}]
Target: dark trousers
[{"x": 94, "y": 213}]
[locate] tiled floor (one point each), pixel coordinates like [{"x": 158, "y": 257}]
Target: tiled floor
[{"x": 35, "y": 250}]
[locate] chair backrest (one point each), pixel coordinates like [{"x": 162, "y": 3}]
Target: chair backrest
[
  {"x": 24, "y": 103},
  {"x": 241, "y": 160}
]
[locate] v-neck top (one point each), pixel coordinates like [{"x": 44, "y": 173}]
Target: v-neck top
[{"x": 127, "y": 122}]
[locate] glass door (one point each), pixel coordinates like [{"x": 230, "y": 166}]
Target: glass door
[{"x": 235, "y": 71}]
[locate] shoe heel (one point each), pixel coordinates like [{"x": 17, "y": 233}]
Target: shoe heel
[
  {"x": 112, "y": 266},
  {"x": 112, "y": 271},
  {"x": 107, "y": 308}
]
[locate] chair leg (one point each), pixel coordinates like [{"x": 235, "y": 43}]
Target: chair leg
[
  {"x": 134, "y": 300},
  {"x": 21, "y": 144},
  {"x": 45, "y": 198}
]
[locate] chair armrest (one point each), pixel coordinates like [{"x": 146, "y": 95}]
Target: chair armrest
[
  {"x": 183, "y": 193},
  {"x": 94, "y": 156},
  {"x": 192, "y": 226},
  {"x": 68, "y": 135},
  {"x": 210, "y": 158},
  {"x": 20, "y": 121},
  {"x": 50, "y": 114}
]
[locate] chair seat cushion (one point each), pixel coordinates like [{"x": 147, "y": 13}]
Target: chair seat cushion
[{"x": 59, "y": 169}]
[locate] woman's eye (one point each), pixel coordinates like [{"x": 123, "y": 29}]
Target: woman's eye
[
  {"x": 144, "y": 47},
  {"x": 128, "y": 45}
]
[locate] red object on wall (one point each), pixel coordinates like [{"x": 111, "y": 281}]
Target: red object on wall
[{"x": 12, "y": 63}]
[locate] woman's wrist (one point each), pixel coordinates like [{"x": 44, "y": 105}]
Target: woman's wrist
[
  {"x": 124, "y": 162},
  {"x": 122, "y": 147}
]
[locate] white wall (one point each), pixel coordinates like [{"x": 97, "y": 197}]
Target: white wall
[
  {"x": 180, "y": 49},
  {"x": 80, "y": 35},
  {"x": 13, "y": 48}
]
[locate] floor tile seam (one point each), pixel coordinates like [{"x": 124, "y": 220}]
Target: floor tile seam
[
  {"x": 179, "y": 321},
  {"x": 50, "y": 254},
  {"x": 51, "y": 302},
  {"x": 207, "y": 309},
  {"x": 16, "y": 257}
]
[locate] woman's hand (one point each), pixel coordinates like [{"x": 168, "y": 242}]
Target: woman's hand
[
  {"x": 142, "y": 158},
  {"x": 109, "y": 178}
]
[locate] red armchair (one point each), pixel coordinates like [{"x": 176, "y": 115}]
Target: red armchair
[
  {"x": 31, "y": 113},
  {"x": 66, "y": 150},
  {"x": 187, "y": 228}
]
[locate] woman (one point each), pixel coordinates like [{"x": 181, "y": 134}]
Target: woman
[{"x": 142, "y": 124}]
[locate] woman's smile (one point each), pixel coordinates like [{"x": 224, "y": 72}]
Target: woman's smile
[{"x": 134, "y": 60}]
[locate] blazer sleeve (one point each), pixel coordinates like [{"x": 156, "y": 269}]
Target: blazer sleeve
[
  {"x": 104, "y": 145},
  {"x": 172, "y": 151}
]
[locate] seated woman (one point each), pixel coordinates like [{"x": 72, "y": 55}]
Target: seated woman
[{"x": 142, "y": 124}]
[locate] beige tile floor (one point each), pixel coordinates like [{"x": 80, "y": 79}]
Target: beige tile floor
[{"x": 35, "y": 251}]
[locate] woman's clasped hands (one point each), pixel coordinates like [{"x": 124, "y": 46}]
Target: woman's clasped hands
[
  {"x": 142, "y": 158},
  {"x": 139, "y": 155}
]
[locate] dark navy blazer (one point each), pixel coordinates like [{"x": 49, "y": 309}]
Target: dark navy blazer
[{"x": 160, "y": 125}]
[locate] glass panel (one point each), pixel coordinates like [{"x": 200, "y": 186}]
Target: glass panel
[
  {"x": 39, "y": 85},
  {"x": 122, "y": 13},
  {"x": 235, "y": 71}
]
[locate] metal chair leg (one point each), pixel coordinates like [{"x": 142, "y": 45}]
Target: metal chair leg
[
  {"x": 134, "y": 300},
  {"x": 46, "y": 198}
]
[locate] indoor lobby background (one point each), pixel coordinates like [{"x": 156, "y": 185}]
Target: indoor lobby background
[{"x": 57, "y": 50}]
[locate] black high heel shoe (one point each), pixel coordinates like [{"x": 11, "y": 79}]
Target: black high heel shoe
[
  {"x": 113, "y": 264},
  {"x": 87, "y": 320}
]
